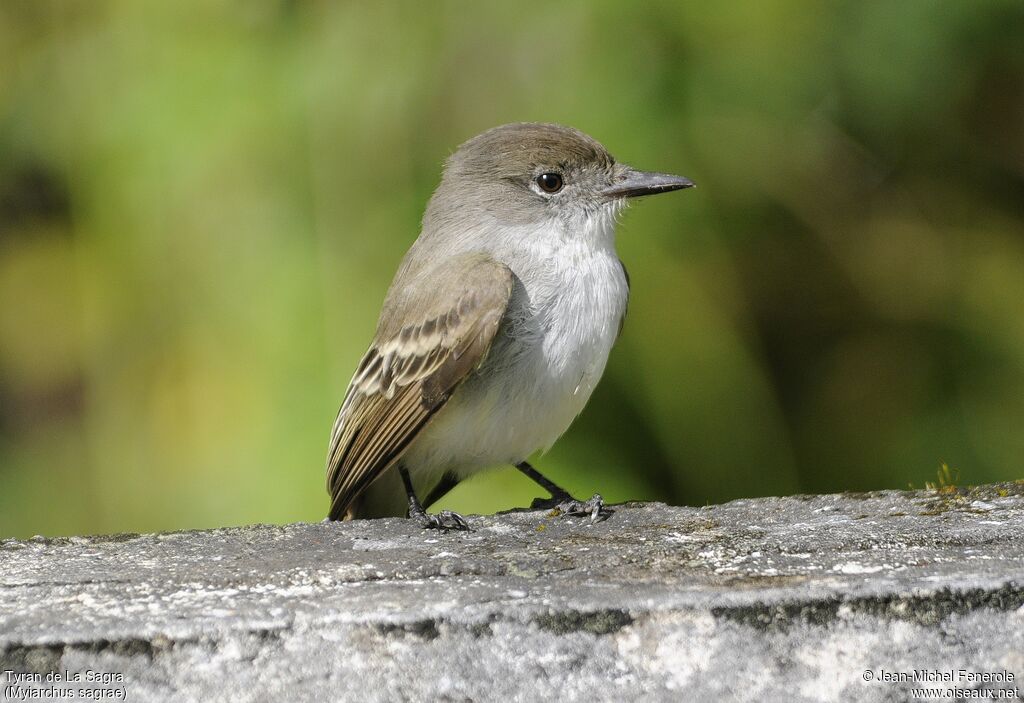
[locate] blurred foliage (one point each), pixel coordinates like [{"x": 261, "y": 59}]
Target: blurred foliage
[{"x": 202, "y": 204}]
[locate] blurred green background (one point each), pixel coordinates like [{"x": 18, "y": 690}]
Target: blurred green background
[{"x": 202, "y": 204}]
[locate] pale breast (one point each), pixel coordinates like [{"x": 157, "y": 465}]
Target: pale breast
[{"x": 563, "y": 319}]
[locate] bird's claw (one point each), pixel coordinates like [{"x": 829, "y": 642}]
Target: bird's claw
[
  {"x": 594, "y": 507},
  {"x": 567, "y": 505},
  {"x": 443, "y": 520}
]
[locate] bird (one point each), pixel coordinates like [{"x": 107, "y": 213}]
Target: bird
[{"x": 496, "y": 327}]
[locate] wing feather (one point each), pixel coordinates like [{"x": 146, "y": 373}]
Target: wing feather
[{"x": 434, "y": 331}]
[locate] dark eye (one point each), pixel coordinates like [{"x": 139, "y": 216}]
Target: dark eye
[{"x": 550, "y": 182}]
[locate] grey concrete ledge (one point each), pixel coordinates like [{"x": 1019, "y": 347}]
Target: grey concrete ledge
[{"x": 787, "y": 599}]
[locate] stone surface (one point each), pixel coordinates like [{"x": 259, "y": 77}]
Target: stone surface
[{"x": 787, "y": 599}]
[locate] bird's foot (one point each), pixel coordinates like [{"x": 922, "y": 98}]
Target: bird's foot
[
  {"x": 567, "y": 505},
  {"x": 443, "y": 520}
]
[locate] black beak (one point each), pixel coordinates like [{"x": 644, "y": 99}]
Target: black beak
[{"x": 634, "y": 183}]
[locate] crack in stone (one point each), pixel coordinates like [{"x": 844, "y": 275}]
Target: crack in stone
[
  {"x": 46, "y": 657},
  {"x": 596, "y": 622},
  {"x": 926, "y": 609},
  {"x": 43, "y": 658}
]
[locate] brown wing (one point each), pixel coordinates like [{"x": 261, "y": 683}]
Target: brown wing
[
  {"x": 625, "y": 310},
  {"x": 434, "y": 330}
]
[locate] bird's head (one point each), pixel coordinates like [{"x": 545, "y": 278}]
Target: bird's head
[{"x": 527, "y": 174}]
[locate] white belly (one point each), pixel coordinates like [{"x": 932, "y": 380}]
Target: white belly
[{"x": 542, "y": 368}]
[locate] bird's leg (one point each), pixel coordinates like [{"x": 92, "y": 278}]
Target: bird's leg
[
  {"x": 444, "y": 520},
  {"x": 560, "y": 499}
]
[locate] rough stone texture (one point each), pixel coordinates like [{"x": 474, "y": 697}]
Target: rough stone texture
[{"x": 786, "y": 599}]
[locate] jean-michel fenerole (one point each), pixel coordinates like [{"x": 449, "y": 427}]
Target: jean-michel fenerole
[{"x": 946, "y": 676}]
